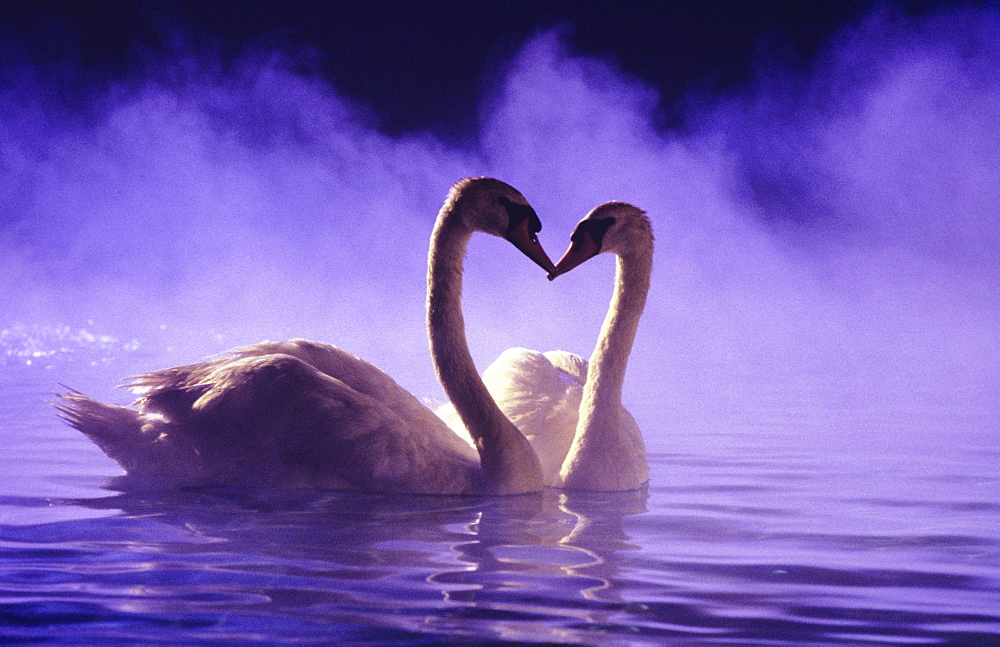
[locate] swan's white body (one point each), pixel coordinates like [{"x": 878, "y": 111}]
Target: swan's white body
[
  {"x": 299, "y": 413},
  {"x": 540, "y": 393},
  {"x": 584, "y": 437}
]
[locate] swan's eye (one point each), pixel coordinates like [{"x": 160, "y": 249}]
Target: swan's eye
[
  {"x": 516, "y": 215},
  {"x": 534, "y": 224},
  {"x": 595, "y": 228}
]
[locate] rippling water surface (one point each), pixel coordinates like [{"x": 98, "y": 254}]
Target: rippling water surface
[{"x": 748, "y": 534}]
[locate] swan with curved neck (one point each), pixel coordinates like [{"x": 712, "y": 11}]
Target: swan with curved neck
[
  {"x": 504, "y": 452},
  {"x": 300, "y": 413},
  {"x": 608, "y": 452},
  {"x": 570, "y": 410}
]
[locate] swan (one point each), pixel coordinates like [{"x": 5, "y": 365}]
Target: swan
[
  {"x": 304, "y": 414},
  {"x": 608, "y": 452},
  {"x": 570, "y": 409}
]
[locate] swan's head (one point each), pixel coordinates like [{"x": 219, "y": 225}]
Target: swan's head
[
  {"x": 613, "y": 227},
  {"x": 496, "y": 208}
]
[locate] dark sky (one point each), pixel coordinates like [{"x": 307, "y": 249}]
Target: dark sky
[{"x": 423, "y": 65}]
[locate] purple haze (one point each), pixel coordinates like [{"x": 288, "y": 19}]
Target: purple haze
[{"x": 828, "y": 238}]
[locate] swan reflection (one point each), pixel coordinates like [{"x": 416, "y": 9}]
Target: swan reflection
[{"x": 443, "y": 559}]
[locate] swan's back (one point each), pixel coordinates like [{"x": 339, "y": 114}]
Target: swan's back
[
  {"x": 173, "y": 390},
  {"x": 540, "y": 393},
  {"x": 279, "y": 413}
]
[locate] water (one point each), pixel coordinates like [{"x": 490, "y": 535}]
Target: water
[{"x": 747, "y": 535}]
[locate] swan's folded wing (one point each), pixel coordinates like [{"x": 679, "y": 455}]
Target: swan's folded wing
[
  {"x": 542, "y": 398},
  {"x": 364, "y": 378},
  {"x": 573, "y": 366},
  {"x": 278, "y": 416},
  {"x": 173, "y": 391}
]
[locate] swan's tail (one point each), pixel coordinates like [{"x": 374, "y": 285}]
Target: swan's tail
[
  {"x": 116, "y": 430},
  {"x": 144, "y": 443}
]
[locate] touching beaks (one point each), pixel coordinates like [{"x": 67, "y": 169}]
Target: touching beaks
[
  {"x": 527, "y": 241},
  {"x": 581, "y": 249}
]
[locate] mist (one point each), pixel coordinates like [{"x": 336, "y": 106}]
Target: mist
[{"x": 824, "y": 235}]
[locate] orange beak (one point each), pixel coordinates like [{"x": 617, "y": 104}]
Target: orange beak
[
  {"x": 580, "y": 250},
  {"x": 527, "y": 242}
]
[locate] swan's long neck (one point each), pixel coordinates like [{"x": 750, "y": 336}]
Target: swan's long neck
[
  {"x": 608, "y": 452},
  {"x": 614, "y": 345},
  {"x": 509, "y": 465}
]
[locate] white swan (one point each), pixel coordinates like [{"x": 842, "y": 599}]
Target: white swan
[
  {"x": 300, "y": 413},
  {"x": 570, "y": 412},
  {"x": 608, "y": 452}
]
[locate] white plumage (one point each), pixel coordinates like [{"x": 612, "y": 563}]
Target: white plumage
[{"x": 540, "y": 393}]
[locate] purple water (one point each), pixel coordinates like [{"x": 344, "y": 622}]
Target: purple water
[{"x": 755, "y": 532}]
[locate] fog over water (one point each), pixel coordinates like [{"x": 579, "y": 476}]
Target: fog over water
[{"x": 828, "y": 234}]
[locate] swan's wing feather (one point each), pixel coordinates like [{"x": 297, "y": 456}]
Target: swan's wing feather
[
  {"x": 360, "y": 375},
  {"x": 279, "y": 416},
  {"x": 542, "y": 398},
  {"x": 171, "y": 392},
  {"x": 293, "y": 411},
  {"x": 364, "y": 378},
  {"x": 573, "y": 365}
]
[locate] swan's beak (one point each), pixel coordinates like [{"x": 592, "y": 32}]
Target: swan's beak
[
  {"x": 526, "y": 241},
  {"x": 582, "y": 249}
]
